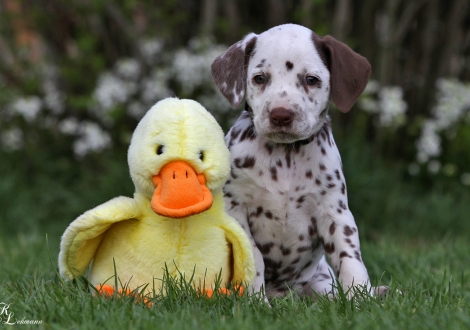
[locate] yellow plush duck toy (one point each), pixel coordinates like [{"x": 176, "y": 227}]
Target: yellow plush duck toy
[{"x": 176, "y": 221}]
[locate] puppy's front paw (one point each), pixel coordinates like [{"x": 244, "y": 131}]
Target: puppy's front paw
[{"x": 381, "y": 291}]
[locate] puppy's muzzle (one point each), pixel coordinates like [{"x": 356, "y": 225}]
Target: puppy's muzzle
[{"x": 281, "y": 117}]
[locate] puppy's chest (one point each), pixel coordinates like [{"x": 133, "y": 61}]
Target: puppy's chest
[{"x": 279, "y": 191}]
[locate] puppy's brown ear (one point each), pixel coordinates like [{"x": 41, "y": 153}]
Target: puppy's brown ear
[
  {"x": 229, "y": 69},
  {"x": 349, "y": 71}
]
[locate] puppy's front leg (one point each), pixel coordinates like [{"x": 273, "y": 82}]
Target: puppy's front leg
[
  {"x": 240, "y": 213},
  {"x": 340, "y": 240}
]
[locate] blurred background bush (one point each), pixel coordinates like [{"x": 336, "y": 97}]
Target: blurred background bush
[{"x": 77, "y": 75}]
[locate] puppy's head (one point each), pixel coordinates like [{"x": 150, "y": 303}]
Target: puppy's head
[{"x": 287, "y": 75}]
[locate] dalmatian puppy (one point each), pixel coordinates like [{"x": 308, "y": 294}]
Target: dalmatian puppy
[{"x": 287, "y": 187}]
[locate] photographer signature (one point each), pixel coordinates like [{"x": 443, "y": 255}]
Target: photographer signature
[{"x": 7, "y": 316}]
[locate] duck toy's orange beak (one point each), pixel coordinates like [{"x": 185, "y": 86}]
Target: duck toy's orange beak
[{"x": 180, "y": 191}]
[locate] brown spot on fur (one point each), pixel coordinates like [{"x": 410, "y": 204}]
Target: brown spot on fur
[
  {"x": 232, "y": 174},
  {"x": 289, "y": 65},
  {"x": 308, "y": 264},
  {"x": 273, "y": 173},
  {"x": 285, "y": 251},
  {"x": 296, "y": 260},
  {"x": 288, "y": 159},
  {"x": 329, "y": 248},
  {"x": 337, "y": 175},
  {"x": 357, "y": 255},
  {"x": 288, "y": 270},
  {"x": 269, "y": 147},
  {"x": 248, "y": 162},
  {"x": 348, "y": 231},
  {"x": 265, "y": 248},
  {"x": 344, "y": 254},
  {"x": 332, "y": 228},
  {"x": 309, "y": 174},
  {"x": 259, "y": 211},
  {"x": 249, "y": 133},
  {"x": 301, "y": 249},
  {"x": 313, "y": 221},
  {"x": 311, "y": 230},
  {"x": 261, "y": 64}
]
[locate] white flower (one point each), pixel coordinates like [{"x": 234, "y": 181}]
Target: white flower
[
  {"x": 69, "y": 126},
  {"x": 28, "y": 107},
  {"x": 434, "y": 166},
  {"x": 368, "y": 104},
  {"x": 136, "y": 110},
  {"x": 154, "y": 88},
  {"x": 110, "y": 92},
  {"x": 452, "y": 103},
  {"x": 429, "y": 143},
  {"x": 92, "y": 138},
  {"x": 215, "y": 103},
  {"x": 54, "y": 98},
  {"x": 150, "y": 48},
  {"x": 192, "y": 70},
  {"x": 452, "y": 106},
  {"x": 12, "y": 139},
  {"x": 372, "y": 87},
  {"x": 128, "y": 68},
  {"x": 392, "y": 106}
]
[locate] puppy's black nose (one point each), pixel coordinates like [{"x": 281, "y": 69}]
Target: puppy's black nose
[{"x": 281, "y": 116}]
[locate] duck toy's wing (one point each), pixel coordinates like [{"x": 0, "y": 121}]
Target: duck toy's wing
[
  {"x": 83, "y": 236},
  {"x": 243, "y": 268}
]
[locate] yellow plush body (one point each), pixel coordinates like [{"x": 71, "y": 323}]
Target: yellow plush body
[{"x": 127, "y": 235}]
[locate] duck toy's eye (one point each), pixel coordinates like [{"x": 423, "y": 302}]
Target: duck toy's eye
[
  {"x": 159, "y": 150},
  {"x": 201, "y": 155}
]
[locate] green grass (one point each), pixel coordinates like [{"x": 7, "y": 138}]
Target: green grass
[
  {"x": 433, "y": 278},
  {"x": 414, "y": 238}
]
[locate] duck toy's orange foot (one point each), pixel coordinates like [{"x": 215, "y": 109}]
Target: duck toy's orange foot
[
  {"x": 108, "y": 291},
  {"x": 223, "y": 291}
]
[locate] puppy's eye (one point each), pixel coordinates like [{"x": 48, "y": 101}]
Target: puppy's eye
[
  {"x": 160, "y": 150},
  {"x": 201, "y": 155},
  {"x": 311, "y": 80},
  {"x": 259, "y": 79}
]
